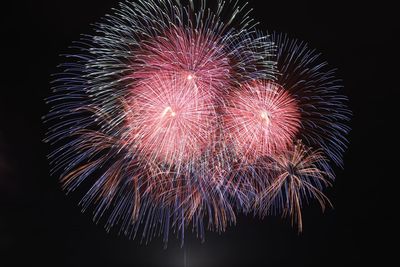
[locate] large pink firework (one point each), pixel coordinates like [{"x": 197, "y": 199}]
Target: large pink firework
[
  {"x": 195, "y": 54},
  {"x": 171, "y": 118}
]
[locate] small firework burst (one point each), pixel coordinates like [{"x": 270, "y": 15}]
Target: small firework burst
[
  {"x": 260, "y": 118},
  {"x": 176, "y": 115},
  {"x": 296, "y": 175}
]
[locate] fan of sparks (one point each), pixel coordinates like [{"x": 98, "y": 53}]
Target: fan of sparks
[{"x": 182, "y": 115}]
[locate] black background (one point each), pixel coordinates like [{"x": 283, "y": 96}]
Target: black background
[{"x": 39, "y": 224}]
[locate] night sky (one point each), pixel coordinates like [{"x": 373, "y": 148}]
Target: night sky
[{"x": 39, "y": 224}]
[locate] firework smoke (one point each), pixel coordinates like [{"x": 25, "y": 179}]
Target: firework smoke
[{"x": 176, "y": 115}]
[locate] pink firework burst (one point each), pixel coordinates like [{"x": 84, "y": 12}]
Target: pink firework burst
[
  {"x": 196, "y": 54},
  {"x": 171, "y": 118},
  {"x": 261, "y": 118}
]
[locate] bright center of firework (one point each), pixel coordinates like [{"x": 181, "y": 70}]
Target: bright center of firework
[
  {"x": 261, "y": 119},
  {"x": 168, "y": 111},
  {"x": 265, "y": 117},
  {"x": 190, "y": 77}
]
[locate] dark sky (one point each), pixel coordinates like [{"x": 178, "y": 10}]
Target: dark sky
[{"x": 39, "y": 224}]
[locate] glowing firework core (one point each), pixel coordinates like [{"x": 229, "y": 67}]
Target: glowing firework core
[{"x": 169, "y": 111}]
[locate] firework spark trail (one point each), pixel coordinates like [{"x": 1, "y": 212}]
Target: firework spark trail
[{"x": 173, "y": 115}]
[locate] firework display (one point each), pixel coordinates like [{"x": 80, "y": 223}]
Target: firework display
[{"x": 178, "y": 115}]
